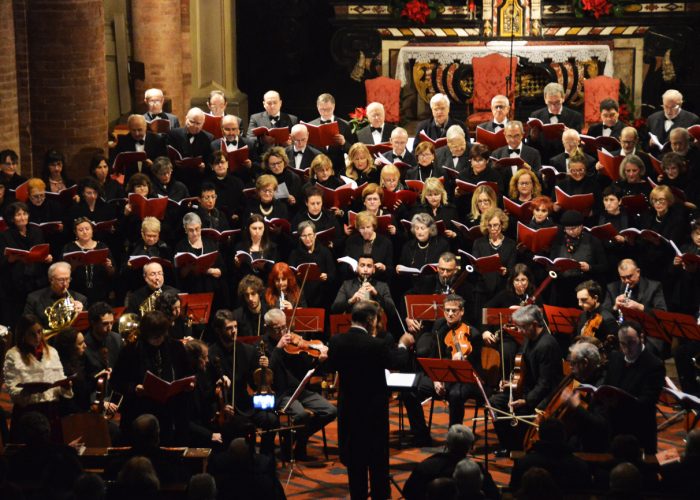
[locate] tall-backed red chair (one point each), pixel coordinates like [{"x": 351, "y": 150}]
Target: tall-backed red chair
[
  {"x": 386, "y": 91},
  {"x": 490, "y": 74},
  {"x": 595, "y": 90}
]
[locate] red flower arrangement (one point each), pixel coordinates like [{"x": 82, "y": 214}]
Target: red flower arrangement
[
  {"x": 597, "y": 7},
  {"x": 358, "y": 119},
  {"x": 417, "y": 11}
]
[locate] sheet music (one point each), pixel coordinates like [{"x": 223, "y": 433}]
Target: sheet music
[
  {"x": 399, "y": 380},
  {"x": 298, "y": 390},
  {"x": 282, "y": 191}
]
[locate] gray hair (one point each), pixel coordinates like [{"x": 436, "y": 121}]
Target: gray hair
[
  {"x": 553, "y": 88},
  {"x": 426, "y": 220},
  {"x": 191, "y": 219},
  {"x": 516, "y": 123},
  {"x": 527, "y": 315},
  {"x": 587, "y": 351},
  {"x": 274, "y": 314},
  {"x": 437, "y": 98},
  {"x": 454, "y": 132},
  {"x": 161, "y": 165},
  {"x": 304, "y": 224},
  {"x": 672, "y": 94},
  {"x": 397, "y": 131},
  {"x": 460, "y": 439},
  {"x": 57, "y": 265},
  {"x": 468, "y": 476}
]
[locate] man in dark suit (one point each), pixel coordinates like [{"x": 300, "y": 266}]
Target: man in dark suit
[
  {"x": 59, "y": 283},
  {"x": 300, "y": 154},
  {"x": 456, "y": 154},
  {"x": 378, "y": 130},
  {"x": 325, "y": 103},
  {"x": 436, "y": 127},
  {"x": 138, "y": 139},
  {"x": 154, "y": 99},
  {"x": 682, "y": 143},
  {"x": 638, "y": 372},
  {"x": 629, "y": 142},
  {"x": 272, "y": 117},
  {"x": 610, "y": 125},
  {"x": 671, "y": 116},
  {"x": 553, "y": 112},
  {"x": 398, "y": 140},
  {"x": 155, "y": 280},
  {"x": 232, "y": 138},
  {"x": 500, "y": 107},
  {"x": 363, "y": 287},
  {"x": 571, "y": 141},
  {"x": 514, "y": 133},
  {"x": 363, "y": 402},
  {"x": 191, "y": 141}
]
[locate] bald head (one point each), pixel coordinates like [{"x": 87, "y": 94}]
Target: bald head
[{"x": 194, "y": 121}]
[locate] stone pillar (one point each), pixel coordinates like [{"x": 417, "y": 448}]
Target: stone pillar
[
  {"x": 67, "y": 80},
  {"x": 156, "y": 34},
  {"x": 9, "y": 131}
]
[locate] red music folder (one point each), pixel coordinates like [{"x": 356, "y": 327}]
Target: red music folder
[
  {"x": 237, "y": 159},
  {"x": 196, "y": 306},
  {"x": 280, "y": 135},
  {"x": 492, "y": 140},
  {"x": 378, "y": 149},
  {"x": 635, "y": 204},
  {"x": 159, "y": 126},
  {"x": 148, "y": 207},
  {"x": 470, "y": 233},
  {"x": 426, "y": 269},
  {"x": 245, "y": 258},
  {"x": 383, "y": 222},
  {"x": 611, "y": 164},
  {"x": 212, "y": 124},
  {"x": 550, "y": 131},
  {"x": 580, "y": 202},
  {"x": 282, "y": 224},
  {"x": 138, "y": 261},
  {"x": 187, "y": 162},
  {"x": 593, "y": 144},
  {"x": 123, "y": 160},
  {"x": 536, "y": 240},
  {"x": 437, "y": 143},
  {"x": 321, "y": 136},
  {"x": 488, "y": 264},
  {"x": 605, "y": 232},
  {"x": 560, "y": 264},
  {"x": 49, "y": 227},
  {"x": 468, "y": 187},
  {"x": 309, "y": 271},
  {"x": 687, "y": 258},
  {"x": 161, "y": 391},
  {"x": 213, "y": 234},
  {"x": 405, "y": 196},
  {"x": 199, "y": 263},
  {"x": 339, "y": 197},
  {"x": 65, "y": 196},
  {"x": 36, "y": 254},
  {"x": 91, "y": 257},
  {"x": 522, "y": 212}
]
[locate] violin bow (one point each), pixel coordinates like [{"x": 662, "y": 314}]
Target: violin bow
[
  {"x": 301, "y": 290},
  {"x": 500, "y": 338}
]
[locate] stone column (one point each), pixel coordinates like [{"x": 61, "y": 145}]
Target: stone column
[
  {"x": 156, "y": 34},
  {"x": 9, "y": 131},
  {"x": 67, "y": 80}
]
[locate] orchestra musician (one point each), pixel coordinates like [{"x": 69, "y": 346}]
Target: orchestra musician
[
  {"x": 363, "y": 287},
  {"x": 247, "y": 360},
  {"x": 310, "y": 408},
  {"x": 594, "y": 321},
  {"x": 451, "y": 330},
  {"x": 543, "y": 371},
  {"x": 155, "y": 280},
  {"x": 249, "y": 315},
  {"x": 637, "y": 371}
]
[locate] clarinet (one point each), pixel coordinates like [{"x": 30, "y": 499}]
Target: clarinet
[{"x": 627, "y": 293}]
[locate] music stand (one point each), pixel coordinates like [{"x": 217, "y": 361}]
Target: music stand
[
  {"x": 425, "y": 307},
  {"x": 458, "y": 371},
  {"x": 290, "y": 425},
  {"x": 496, "y": 315},
  {"x": 306, "y": 320},
  {"x": 562, "y": 319},
  {"x": 649, "y": 323},
  {"x": 197, "y": 305},
  {"x": 340, "y": 323},
  {"x": 678, "y": 325}
]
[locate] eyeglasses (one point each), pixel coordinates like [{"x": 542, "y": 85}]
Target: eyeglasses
[
  {"x": 275, "y": 164},
  {"x": 452, "y": 310},
  {"x": 500, "y": 106},
  {"x": 267, "y": 191},
  {"x": 659, "y": 201}
]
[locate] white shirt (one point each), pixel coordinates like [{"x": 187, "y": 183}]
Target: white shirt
[{"x": 49, "y": 369}]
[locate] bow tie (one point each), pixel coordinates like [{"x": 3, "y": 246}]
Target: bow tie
[
  {"x": 551, "y": 115},
  {"x": 232, "y": 143},
  {"x": 161, "y": 115},
  {"x": 376, "y": 129},
  {"x": 456, "y": 158},
  {"x": 566, "y": 155},
  {"x": 497, "y": 125},
  {"x": 275, "y": 118},
  {"x": 397, "y": 157},
  {"x": 298, "y": 153},
  {"x": 190, "y": 136},
  {"x": 323, "y": 122},
  {"x": 607, "y": 128},
  {"x": 511, "y": 151},
  {"x": 141, "y": 142}
]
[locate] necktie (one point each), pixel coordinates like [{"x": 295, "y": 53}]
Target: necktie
[
  {"x": 300, "y": 153},
  {"x": 376, "y": 129},
  {"x": 566, "y": 155},
  {"x": 511, "y": 151},
  {"x": 323, "y": 122}
]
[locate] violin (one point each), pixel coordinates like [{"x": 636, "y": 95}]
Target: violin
[
  {"x": 592, "y": 325},
  {"x": 98, "y": 405},
  {"x": 262, "y": 377},
  {"x": 299, "y": 344},
  {"x": 220, "y": 417},
  {"x": 518, "y": 377},
  {"x": 457, "y": 339}
]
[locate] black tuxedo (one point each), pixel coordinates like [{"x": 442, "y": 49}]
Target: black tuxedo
[
  {"x": 201, "y": 146},
  {"x": 489, "y": 126},
  {"x": 337, "y": 153},
  {"x": 529, "y": 154},
  {"x": 174, "y": 120},
  {"x": 242, "y": 141},
  {"x": 569, "y": 117},
  {"x": 434, "y": 132},
  {"x": 656, "y": 122},
  {"x": 262, "y": 119},
  {"x": 154, "y": 146},
  {"x": 596, "y": 130},
  {"x": 444, "y": 158},
  {"x": 136, "y": 298},
  {"x": 643, "y": 379},
  {"x": 364, "y": 135},
  {"x": 309, "y": 154},
  {"x": 407, "y": 157},
  {"x": 363, "y": 409}
]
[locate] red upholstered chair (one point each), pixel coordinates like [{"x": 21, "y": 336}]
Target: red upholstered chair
[
  {"x": 490, "y": 74},
  {"x": 595, "y": 90},
  {"x": 386, "y": 91}
]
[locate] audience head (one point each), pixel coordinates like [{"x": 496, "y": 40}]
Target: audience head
[
  {"x": 538, "y": 484},
  {"x": 34, "y": 429},
  {"x": 460, "y": 439},
  {"x": 201, "y": 487},
  {"x": 146, "y": 431},
  {"x": 138, "y": 479},
  {"x": 89, "y": 486},
  {"x": 625, "y": 482},
  {"x": 442, "y": 488},
  {"x": 468, "y": 478}
]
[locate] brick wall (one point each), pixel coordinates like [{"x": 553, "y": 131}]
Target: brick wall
[{"x": 9, "y": 131}]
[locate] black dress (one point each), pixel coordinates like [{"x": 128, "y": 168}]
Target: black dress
[
  {"x": 93, "y": 281},
  {"x": 317, "y": 293}
]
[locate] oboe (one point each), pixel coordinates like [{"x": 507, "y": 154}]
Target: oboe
[{"x": 626, "y": 293}]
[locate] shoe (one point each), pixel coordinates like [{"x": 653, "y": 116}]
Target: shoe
[{"x": 502, "y": 453}]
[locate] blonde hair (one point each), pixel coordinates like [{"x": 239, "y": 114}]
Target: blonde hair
[
  {"x": 389, "y": 170},
  {"x": 483, "y": 189},
  {"x": 433, "y": 185},
  {"x": 356, "y": 151},
  {"x": 264, "y": 181},
  {"x": 490, "y": 214},
  {"x": 318, "y": 163},
  {"x": 150, "y": 224},
  {"x": 364, "y": 218}
]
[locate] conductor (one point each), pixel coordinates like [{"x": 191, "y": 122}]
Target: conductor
[{"x": 363, "y": 404}]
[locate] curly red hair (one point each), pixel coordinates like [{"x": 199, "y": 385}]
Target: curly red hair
[{"x": 272, "y": 295}]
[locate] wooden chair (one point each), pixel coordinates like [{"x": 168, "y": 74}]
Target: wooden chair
[
  {"x": 490, "y": 74},
  {"x": 595, "y": 90},
  {"x": 90, "y": 428},
  {"x": 386, "y": 91}
]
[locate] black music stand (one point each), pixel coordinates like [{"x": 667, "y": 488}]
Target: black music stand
[
  {"x": 459, "y": 371},
  {"x": 562, "y": 320}
]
